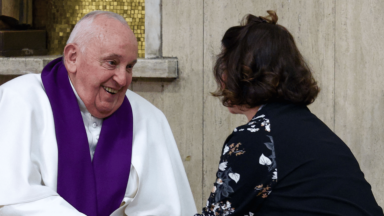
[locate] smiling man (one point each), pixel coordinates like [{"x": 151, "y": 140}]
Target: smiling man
[{"x": 75, "y": 141}]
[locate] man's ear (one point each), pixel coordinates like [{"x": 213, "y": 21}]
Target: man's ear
[{"x": 71, "y": 53}]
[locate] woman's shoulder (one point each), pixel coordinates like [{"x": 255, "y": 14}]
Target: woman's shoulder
[
  {"x": 259, "y": 122},
  {"x": 250, "y": 137},
  {"x": 292, "y": 119}
]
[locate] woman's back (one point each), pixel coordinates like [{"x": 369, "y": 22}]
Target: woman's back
[
  {"x": 285, "y": 161},
  {"x": 317, "y": 173}
]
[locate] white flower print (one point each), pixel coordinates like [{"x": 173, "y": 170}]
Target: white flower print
[
  {"x": 253, "y": 129},
  {"x": 217, "y": 205},
  {"x": 219, "y": 181},
  {"x": 223, "y": 166},
  {"x": 227, "y": 205},
  {"x": 261, "y": 119},
  {"x": 267, "y": 125},
  {"x": 274, "y": 174},
  {"x": 234, "y": 176},
  {"x": 268, "y": 128},
  {"x": 226, "y": 149},
  {"x": 241, "y": 129},
  {"x": 235, "y": 130},
  {"x": 264, "y": 160},
  {"x": 260, "y": 116}
]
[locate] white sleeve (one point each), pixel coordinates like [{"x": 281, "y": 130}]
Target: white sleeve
[
  {"x": 24, "y": 179},
  {"x": 163, "y": 185},
  {"x": 53, "y": 205},
  {"x": 130, "y": 193}
]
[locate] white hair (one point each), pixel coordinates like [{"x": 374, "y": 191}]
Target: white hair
[{"x": 84, "y": 31}]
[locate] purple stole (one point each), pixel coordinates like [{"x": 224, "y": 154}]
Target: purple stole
[{"x": 95, "y": 188}]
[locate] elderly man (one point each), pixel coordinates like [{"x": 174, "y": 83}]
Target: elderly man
[{"x": 74, "y": 141}]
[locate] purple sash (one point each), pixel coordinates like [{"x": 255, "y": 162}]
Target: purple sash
[{"x": 95, "y": 188}]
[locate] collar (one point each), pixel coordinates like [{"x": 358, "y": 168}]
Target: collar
[
  {"x": 83, "y": 109},
  {"x": 79, "y": 101}
]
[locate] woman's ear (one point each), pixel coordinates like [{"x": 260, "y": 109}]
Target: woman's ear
[{"x": 71, "y": 52}]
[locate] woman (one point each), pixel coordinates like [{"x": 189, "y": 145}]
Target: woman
[{"x": 284, "y": 161}]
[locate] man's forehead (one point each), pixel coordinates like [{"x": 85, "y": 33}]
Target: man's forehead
[
  {"x": 131, "y": 58},
  {"x": 112, "y": 41},
  {"x": 118, "y": 33},
  {"x": 105, "y": 22},
  {"x": 112, "y": 55}
]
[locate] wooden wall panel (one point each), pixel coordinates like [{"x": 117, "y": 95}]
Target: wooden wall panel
[
  {"x": 310, "y": 22},
  {"x": 359, "y": 104},
  {"x": 182, "y": 100}
]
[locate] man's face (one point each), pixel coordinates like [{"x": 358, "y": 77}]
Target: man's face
[{"x": 104, "y": 68}]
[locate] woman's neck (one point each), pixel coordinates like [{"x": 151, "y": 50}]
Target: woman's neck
[{"x": 251, "y": 112}]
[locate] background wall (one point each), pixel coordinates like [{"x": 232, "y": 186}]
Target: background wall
[{"x": 342, "y": 42}]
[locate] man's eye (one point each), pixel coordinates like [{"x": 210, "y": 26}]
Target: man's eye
[
  {"x": 113, "y": 63},
  {"x": 129, "y": 68}
]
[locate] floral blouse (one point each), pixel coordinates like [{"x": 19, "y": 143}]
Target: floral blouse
[{"x": 247, "y": 171}]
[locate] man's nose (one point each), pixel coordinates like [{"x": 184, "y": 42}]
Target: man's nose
[{"x": 121, "y": 76}]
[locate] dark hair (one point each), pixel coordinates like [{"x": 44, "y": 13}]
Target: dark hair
[{"x": 260, "y": 63}]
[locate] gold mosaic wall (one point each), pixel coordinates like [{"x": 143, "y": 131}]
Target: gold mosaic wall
[{"x": 65, "y": 14}]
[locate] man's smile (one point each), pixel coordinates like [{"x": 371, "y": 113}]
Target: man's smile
[{"x": 110, "y": 90}]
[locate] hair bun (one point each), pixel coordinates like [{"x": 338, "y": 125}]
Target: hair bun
[
  {"x": 251, "y": 19},
  {"x": 272, "y": 17}
]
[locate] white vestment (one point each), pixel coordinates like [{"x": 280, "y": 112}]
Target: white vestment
[{"x": 29, "y": 158}]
